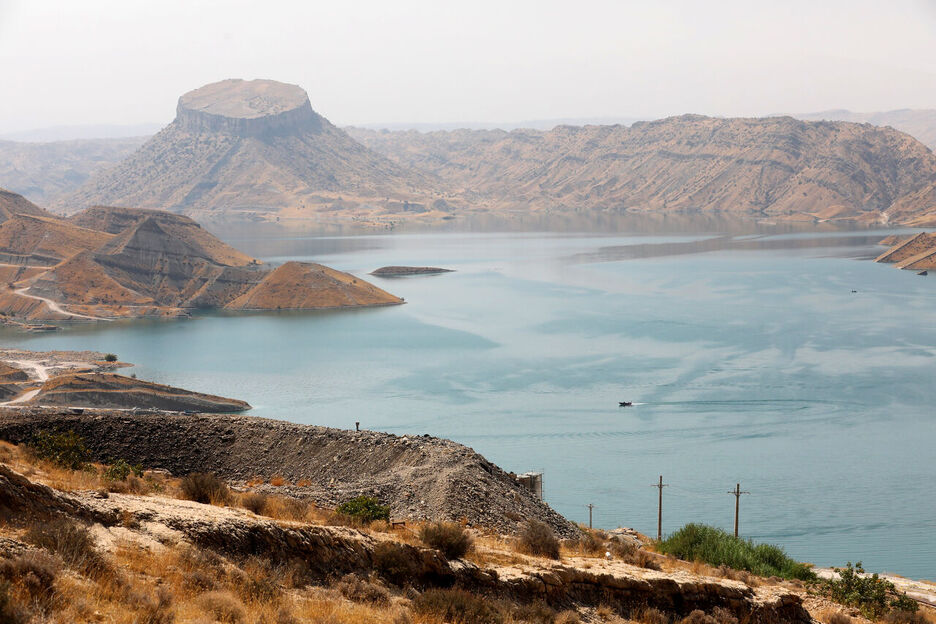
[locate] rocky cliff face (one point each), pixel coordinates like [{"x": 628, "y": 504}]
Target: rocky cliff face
[{"x": 242, "y": 148}]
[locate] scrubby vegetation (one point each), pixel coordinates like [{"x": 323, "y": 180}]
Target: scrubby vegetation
[
  {"x": 121, "y": 469},
  {"x": 717, "y": 547},
  {"x": 873, "y": 596},
  {"x": 449, "y": 538},
  {"x": 64, "y": 449},
  {"x": 205, "y": 487},
  {"x": 536, "y": 538},
  {"x": 365, "y": 508},
  {"x": 110, "y": 357}
]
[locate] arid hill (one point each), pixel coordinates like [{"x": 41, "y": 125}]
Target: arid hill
[
  {"x": 918, "y": 123},
  {"x": 118, "y": 262},
  {"x": 109, "y": 390},
  {"x": 251, "y": 149},
  {"x": 915, "y": 253},
  {"x": 777, "y": 168},
  {"x": 12, "y": 204}
]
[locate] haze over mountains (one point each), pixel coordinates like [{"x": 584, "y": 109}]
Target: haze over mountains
[
  {"x": 249, "y": 147},
  {"x": 256, "y": 150}
]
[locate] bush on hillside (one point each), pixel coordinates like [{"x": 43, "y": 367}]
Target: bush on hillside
[
  {"x": 121, "y": 469},
  {"x": 110, "y": 357},
  {"x": 451, "y": 539},
  {"x": 205, "y": 487},
  {"x": 873, "y": 596},
  {"x": 70, "y": 541},
  {"x": 699, "y": 542},
  {"x": 66, "y": 450},
  {"x": 536, "y": 538},
  {"x": 365, "y": 508}
]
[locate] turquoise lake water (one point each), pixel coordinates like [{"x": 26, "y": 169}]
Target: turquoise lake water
[{"x": 751, "y": 360}]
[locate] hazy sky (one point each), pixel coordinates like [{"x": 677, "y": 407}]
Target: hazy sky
[{"x": 127, "y": 61}]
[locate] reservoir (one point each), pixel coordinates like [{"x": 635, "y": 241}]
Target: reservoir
[{"x": 788, "y": 363}]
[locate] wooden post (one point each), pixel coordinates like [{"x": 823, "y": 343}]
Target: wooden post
[
  {"x": 590, "y": 507},
  {"x": 737, "y": 494},
  {"x": 660, "y": 485}
]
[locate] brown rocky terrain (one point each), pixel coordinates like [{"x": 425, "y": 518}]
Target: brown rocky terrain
[
  {"x": 420, "y": 477},
  {"x": 252, "y": 149},
  {"x": 914, "y": 253},
  {"x": 777, "y": 167},
  {"x": 112, "y": 391},
  {"x": 223, "y": 547},
  {"x": 12, "y": 204},
  {"x": 47, "y": 171},
  {"x": 108, "y": 263}
]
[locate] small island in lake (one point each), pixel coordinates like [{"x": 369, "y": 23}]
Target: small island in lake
[{"x": 399, "y": 271}]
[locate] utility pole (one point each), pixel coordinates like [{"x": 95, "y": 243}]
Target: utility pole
[
  {"x": 590, "y": 507},
  {"x": 660, "y": 486},
  {"x": 737, "y": 499}
]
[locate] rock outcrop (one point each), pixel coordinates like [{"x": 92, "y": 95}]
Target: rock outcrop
[
  {"x": 250, "y": 149},
  {"x": 112, "y": 391}
]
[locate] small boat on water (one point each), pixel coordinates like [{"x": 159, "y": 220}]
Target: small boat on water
[{"x": 625, "y": 403}]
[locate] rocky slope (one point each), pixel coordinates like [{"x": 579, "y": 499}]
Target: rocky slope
[
  {"x": 326, "y": 553},
  {"x": 120, "y": 262},
  {"x": 109, "y": 390},
  {"x": 251, "y": 149},
  {"x": 12, "y": 204},
  {"x": 419, "y": 477},
  {"x": 777, "y": 167},
  {"x": 915, "y": 253}
]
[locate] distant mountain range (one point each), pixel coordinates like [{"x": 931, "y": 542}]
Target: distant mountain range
[
  {"x": 776, "y": 167},
  {"x": 257, "y": 151},
  {"x": 920, "y": 123}
]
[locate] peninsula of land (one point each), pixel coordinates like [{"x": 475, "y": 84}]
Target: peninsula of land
[{"x": 106, "y": 263}]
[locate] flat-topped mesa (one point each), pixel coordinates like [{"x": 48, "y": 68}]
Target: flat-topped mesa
[{"x": 248, "y": 108}]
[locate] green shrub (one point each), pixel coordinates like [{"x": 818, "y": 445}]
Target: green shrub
[
  {"x": 457, "y": 606},
  {"x": 205, "y": 487},
  {"x": 66, "y": 450},
  {"x": 536, "y": 538},
  {"x": 121, "y": 469},
  {"x": 451, "y": 539},
  {"x": 365, "y": 508},
  {"x": 717, "y": 547},
  {"x": 110, "y": 357},
  {"x": 873, "y": 596}
]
